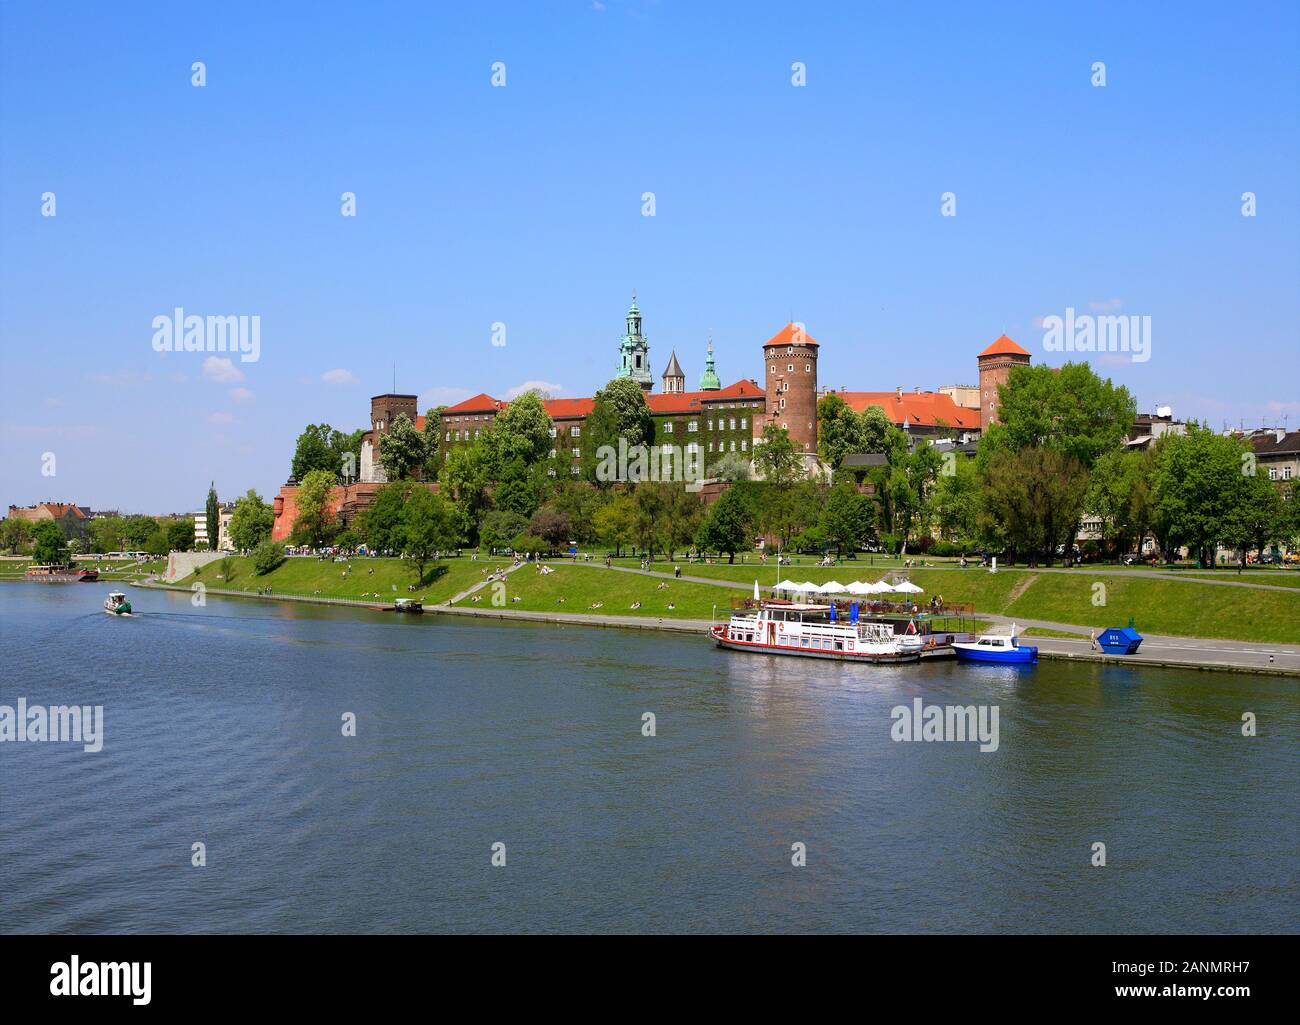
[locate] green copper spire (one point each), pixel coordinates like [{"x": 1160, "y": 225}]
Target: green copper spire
[
  {"x": 634, "y": 351},
  {"x": 709, "y": 379}
]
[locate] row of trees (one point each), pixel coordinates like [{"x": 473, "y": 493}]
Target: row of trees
[{"x": 1057, "y": 452}]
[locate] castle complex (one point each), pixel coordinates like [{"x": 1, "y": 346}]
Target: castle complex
[{"x": 708, "y": 422}]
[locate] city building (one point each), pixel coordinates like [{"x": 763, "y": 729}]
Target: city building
[
  {"x": 72, "y": 519},
  {"x": 1147, "y": 427},
  {"x": 224, "y": 513}
]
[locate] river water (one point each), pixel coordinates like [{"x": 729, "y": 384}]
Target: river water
[{"x": 222, "y": 725}]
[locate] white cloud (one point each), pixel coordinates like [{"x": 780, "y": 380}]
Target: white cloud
[
  {"x": 220, "y": 419},
  {"x": 241, "y": 394},
  {"x": 339, "y": 376},
  {"x": 222, "y": 370},
  {"x": 547, "y": 389}
]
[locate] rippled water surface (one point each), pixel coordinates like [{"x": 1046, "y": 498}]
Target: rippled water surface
[{"x": 222, "y": 725}]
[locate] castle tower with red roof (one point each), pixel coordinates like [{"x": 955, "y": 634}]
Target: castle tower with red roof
[
  {"x": 995, "y": 364},
  {"x": 790, "y": 368}
]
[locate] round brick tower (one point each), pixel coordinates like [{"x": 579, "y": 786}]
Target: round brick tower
[
  {"x": 790, "y": 366},
  {"x": 995, "y": 365}
]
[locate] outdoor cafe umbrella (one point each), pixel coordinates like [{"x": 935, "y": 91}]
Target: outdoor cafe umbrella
[
  {"x": 879, "y": 587},
  {"x": 907, "y": 587},
  {"x": 831, "y": 587},
  {"x": 786, "y": 585},
  {"x": 858, "y": 587}
]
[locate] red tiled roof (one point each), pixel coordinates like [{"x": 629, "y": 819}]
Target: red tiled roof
[
  {"x": 661, "y": 402},
  {"x": 565, "y": 408},
  {"x": 919, "y": 409},
  {"x": 786, "y": 336},
  {"x": 694, "y": 401},
  {"x": 1004, "y": 346},
  {"x": 61, "y": 509},
  {"x": 480, "y": 403}
]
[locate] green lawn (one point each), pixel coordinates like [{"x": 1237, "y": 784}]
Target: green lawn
[
  {"x": 1272, "y": 577},
  {"x": 389, "y": 579},
  {"x": 581, "y": 586},
  {"x": 1180, "y": 607}
]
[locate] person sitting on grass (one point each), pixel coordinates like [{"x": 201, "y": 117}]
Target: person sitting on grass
[
  {"x": 636, "y": 605},
  {"x": 598, "y": 605},
  {"x": 671, "y": 606},
  {"x": 516, "y": 598},
  {"x": 660, "y": 587},
  {"x": 559, "y": 601}
]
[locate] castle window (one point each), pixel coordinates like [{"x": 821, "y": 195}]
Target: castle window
[
  {"x": 577, "y": 453},
  {"x": 710, "y": 446},
  {"x": 733, "y": 423},
  {"x": 744, "y": 423},
  {"x": 733, "y": 446},
  {"x": 693, "y": 447},
  {"x": 807, "y": 368},
  {"x": 552, "y": 432},
  {"x": 448, "y": 436},
  {"x": 668, "y": 427},
  {"x": 576, "y": 432},
  {"x": 551, "y": 472},
  {"x": 693, "y": 426},
  {"x": 790, "y": 368},
  {"x": 783, "y": 403},
  {"x": 575, "y": 471},
  {"x": 744, "y": 445},
  {"x": 710, "y": 425},
  {"x": 552, "y": 453}
]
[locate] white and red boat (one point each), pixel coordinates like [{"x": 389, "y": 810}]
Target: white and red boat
[{"x": 814, "y": 631}]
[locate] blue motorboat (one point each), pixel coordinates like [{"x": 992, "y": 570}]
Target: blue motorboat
[{"x": 999, "y": 649}]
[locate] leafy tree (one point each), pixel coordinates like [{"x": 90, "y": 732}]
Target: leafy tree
[
  {"x": 314, "y": 524},
  {"x": 427, "y": 528},
  {"x": 685, "y": 514},
  {"x": 726, "y": 526},
  {"x": 519, "y": 487},
  {"x": 212, "y": 517},
  {"x": 464, "y": 477},
  {"x": 551, "y": 525},
  {"x": 615, "y": 522},
  {"x": 403, "y": 451},
  {"x": 631, "y": 412},
  {"x": 381, "y": 524},
  {"x": 15, "y": 534},
  {"x": 107, "y": 533},
  {"x": 1037, "y": 495},
  {"x": 499, "y": 527},
  {"x": 1196, "y": 487},
  {"x": 180, "y": 535},
  {"x": 775, "y": 457},
  {"x": 159, "y": 543},
  {"x": 1069, "y": 409},
  {"x": 579, "y": 502},
  {"x": 957, "y": 501},
  {"x": 251, "y": 522},
  {"x": 432, "y": 442},
  {"x": 846, "y": 519},
  {"x": 732, "y": 466},
  {"x": 1258, "y": 516},
  {"x": 838, "y": 429},
  {"x": 1119, "y": 494},
  {"x": 522, "y": 431},
  {"x": 267, "y": 556},
  {"x": 139, "y": 529},
  {"x": 49, "y": 547}
]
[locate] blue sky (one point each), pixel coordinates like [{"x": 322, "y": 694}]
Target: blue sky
[{"x": 522, "y": 205}]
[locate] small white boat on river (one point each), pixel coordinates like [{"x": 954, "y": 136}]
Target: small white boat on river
[{"x": 116, "y": 604}]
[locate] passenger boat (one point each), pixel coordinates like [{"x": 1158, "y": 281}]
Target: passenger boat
[
  {"x": 116, "y": 604},
  {"x": 407, "y": 605},
  {"x": 1002, "y": 649},
  {"x": 61, "y": 575},
  {"x": 812, "y": 631}
]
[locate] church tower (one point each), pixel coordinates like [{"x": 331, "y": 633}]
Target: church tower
[
  {"x": 674, "y": 378},
  {"x": 634, "y": 351},
  {"x": 709, "y": 379}
]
